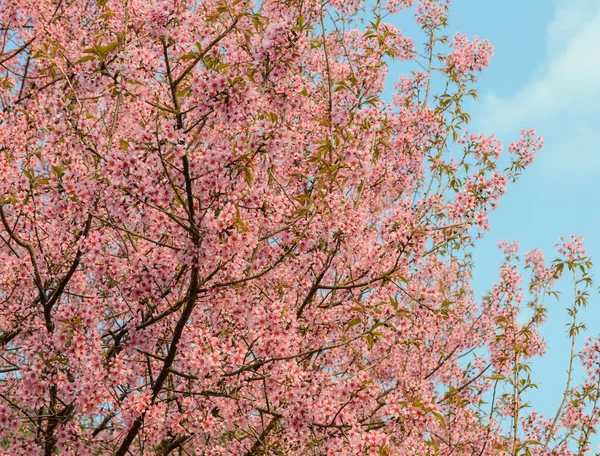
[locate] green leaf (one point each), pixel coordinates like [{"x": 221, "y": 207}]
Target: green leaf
[
  {"x": 438, "y": 416},
  {"x": 248, "y": 175},
  {"x": 353, "y": 322},
  {"x": 189, "y": 56},
  {"x": 532, "y": 442},
  {"x": 109, "y": 47},
  {"x": 87, "y": 58},
  {"x": 376, "y": 325},
  {"x": 178, "y": 199},
  {"x": 28, "y": 175},
  {"x": 58, "y": 170}
]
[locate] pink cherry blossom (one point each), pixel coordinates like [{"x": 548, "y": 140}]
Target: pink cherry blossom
[{"x": 217, "y": 237}]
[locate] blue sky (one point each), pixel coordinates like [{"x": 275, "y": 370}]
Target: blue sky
[{"x": 545, "y": 74}]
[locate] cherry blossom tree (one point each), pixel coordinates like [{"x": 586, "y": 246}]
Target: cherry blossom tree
[{"x": 218, "y": 238}]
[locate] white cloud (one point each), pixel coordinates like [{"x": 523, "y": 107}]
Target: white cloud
[
  {"x": 562, "y": 101},
  {"x": 569, "y": 16}
]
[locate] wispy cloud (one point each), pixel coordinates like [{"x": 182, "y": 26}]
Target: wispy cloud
[{"x": 562, "y": 100}]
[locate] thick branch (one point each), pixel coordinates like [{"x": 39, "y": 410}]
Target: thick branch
[{"x": 168, "y": 362}]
